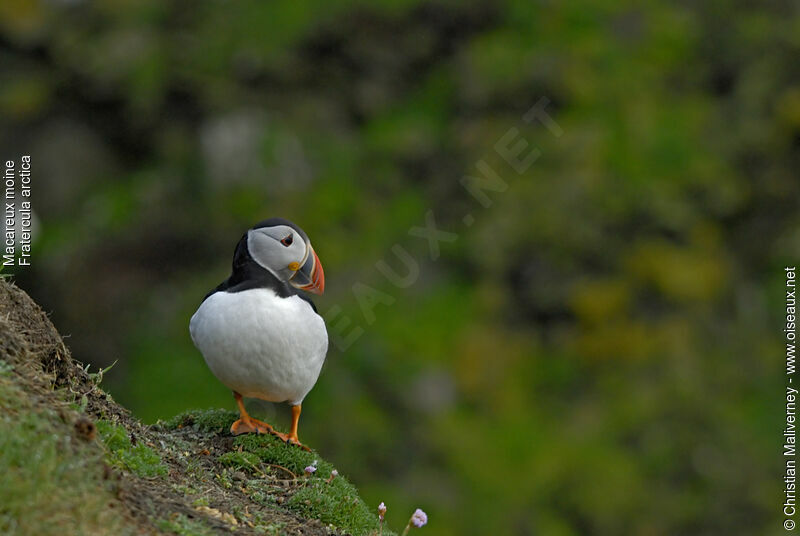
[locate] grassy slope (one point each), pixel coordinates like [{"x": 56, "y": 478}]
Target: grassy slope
[
  {"x": 51, "y": 482},
  {"x": 72, "y": 461}
]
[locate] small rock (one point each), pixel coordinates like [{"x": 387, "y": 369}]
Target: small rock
[
  {"x": 239, "y": 475},
  {"x": 85, "y": 429},
  {"x": 213, "y": 512}
]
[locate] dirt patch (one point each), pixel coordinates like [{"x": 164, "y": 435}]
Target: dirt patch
[{"x": 188, "y": 476}]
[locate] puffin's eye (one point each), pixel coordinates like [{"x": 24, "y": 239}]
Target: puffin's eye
[{"x": 287, "y": 241}]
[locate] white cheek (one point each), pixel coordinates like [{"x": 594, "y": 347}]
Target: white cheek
[
  {"x": 269, "y": 253},
  {"x": 297, "y": 251},
  {"x": 263, "y": 250}
]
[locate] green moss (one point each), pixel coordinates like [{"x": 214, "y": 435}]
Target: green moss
[
  {"x": 336, "y": 502},
  {"x": 216, "y": 421},
  {"x": 272, "y": 450},
  {"x": 50, "y": 484},
  {"x": 184, "y": 490},
  {"x": 138, "y": 459},
  {"x": 224, "y": 479},
  {"x": 271, "y": 529},
  {"x": 200, "y": 501},
  {"x": 183, "y": 526},
  {"x": 240, "y": 460},
  {"x": 115, "y": 437}
]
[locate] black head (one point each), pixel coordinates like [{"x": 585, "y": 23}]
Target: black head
[{"x": 277, "y": 253}]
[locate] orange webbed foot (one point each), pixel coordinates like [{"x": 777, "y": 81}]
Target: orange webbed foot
[
  {"x": 250, "y": 426},
  {"x": 290, "y": 439}
]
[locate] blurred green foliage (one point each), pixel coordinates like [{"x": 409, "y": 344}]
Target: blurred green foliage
[{"x": 597, "y": 354}]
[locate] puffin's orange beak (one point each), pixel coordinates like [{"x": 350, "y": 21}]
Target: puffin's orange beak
[
  {"x": 317, "y": 276},
  {"x": 310, "y": 277}
]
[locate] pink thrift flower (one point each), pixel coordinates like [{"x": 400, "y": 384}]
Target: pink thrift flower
[{"x": 419, "y": 518}]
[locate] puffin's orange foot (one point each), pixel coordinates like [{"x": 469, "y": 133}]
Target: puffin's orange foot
[
  {"x": 290, "y": 439},
  {"x": 250, "y": 426},
  {"x": 266, "y": 428}
]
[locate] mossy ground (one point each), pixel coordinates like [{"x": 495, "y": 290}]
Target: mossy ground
[
  {"x": 50, "y": 482},
  {"x": 139, "y": 459},
  {"x": 72, "y": 461},
  {"x": 270, "y": 473},
  {"x": 276, "y": 474}
]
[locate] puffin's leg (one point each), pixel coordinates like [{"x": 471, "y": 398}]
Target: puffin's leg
[
  {"x": 246, "y": 424},
  {"x": 295, "y": 420},
  {"x": 291, "y": 437}
]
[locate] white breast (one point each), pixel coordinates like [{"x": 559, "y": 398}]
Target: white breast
[{"x": 261, "y": 345}]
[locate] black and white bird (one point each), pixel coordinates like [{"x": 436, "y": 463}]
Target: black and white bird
[{"x": 259, "y": 334}]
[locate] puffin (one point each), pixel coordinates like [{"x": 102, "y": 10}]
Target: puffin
[{"x": 259, "y": 332}]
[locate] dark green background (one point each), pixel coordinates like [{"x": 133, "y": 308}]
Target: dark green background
[{"x": 599, "y": 353}]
